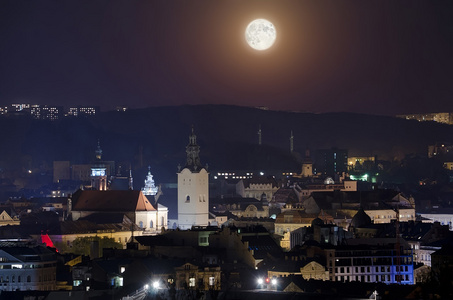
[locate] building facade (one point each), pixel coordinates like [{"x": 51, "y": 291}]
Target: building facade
[
  {"x": 27, "y": 267},
  {"x": 372, "y": 264},
  {"x": 331, "y": 162}
]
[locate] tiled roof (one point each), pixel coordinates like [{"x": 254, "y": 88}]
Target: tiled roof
[
  {"x": 125, "y": 201},
  {"x": 298, "y": 217}
]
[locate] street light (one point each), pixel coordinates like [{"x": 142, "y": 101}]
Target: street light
[
  {"x": 274, "y": 283},
  {"x": 156, "y": 284}
]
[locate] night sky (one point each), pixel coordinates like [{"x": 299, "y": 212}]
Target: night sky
[{"x": 376, "y": 57}]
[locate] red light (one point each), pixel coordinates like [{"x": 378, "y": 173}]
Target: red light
[{"x": 267, "y": 280}]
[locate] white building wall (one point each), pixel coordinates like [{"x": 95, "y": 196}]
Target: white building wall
[
  {"x": 193, "y": 198},
  {"x": 380, "y": 216},
  {"x": 443, "y": 219}
]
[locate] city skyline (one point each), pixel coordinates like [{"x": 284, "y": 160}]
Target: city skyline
[{"x": 388, "y": 58}]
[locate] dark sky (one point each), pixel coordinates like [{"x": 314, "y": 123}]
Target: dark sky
[{"x": 377, "y": 57}]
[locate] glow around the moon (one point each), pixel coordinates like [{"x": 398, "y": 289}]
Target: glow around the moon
[{"x": 260, "y": 34}]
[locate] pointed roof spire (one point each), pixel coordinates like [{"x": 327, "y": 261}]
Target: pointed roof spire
[
  {"x": 192, "y": 149},
  {"x": 192, "y": 138},
  {"x": 98, "y": 151}
]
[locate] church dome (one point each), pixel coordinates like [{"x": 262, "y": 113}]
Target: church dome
[{"x": 360, "y": 219}]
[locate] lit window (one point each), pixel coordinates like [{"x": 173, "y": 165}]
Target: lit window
[{"x": 192, "y": 281}]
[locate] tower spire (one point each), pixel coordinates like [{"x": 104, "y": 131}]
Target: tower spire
[
  {"x": 98, "y": 172},
  {"x": 193, "y": 151},
  {"x": 98, "y": 151}
]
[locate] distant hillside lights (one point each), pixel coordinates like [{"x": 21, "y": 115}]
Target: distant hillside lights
[
  {"x": 442, "y": 117},
  {"x": 122, "y": 108},
  {"x": 48, "y": 112},
  {"x": 233, "y": 175}
]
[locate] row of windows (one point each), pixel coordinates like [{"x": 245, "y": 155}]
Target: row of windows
[
  {"x": 26, "y": 266},
  {"x": 201, "y": 198},
  {"x": 390, "y": 217},
  {"x": 151, "y": 225},
  {"x": 368, "y": 269},
  {"x": 192, "y": 281},
  {"x": 13, "y": 279},
  {"x": 373, "y": 278}
]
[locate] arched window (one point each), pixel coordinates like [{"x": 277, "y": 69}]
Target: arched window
[
  {"x": 18, "y": 278},
  {"x": 140, "y": 224},
  {"x": 28, "y": 278},
  {"x": 187, "y": 199},
  {"x": 151, "y": 224}
]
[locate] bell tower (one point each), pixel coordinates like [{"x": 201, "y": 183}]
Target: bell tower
[
  {"x": 193, "y": 189},
  {"x": 307, "y": 165},
  {"x": 98, "y": 172}
]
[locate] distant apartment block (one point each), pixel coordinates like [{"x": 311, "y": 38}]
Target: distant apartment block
[
  {"x": 17, "y": 109},
  {"x": 366, "y": 263},
  {"x": 331, "y": 162},
  {"x": 442, "y": 117},
  {"x": 83, "y": 111},
  {"x": 20, "y": 107},
  {"x": 233, "y": 175},
  {"x": 46, "y": 112}
]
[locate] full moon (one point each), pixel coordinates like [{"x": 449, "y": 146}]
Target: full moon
[{"x": 260, "y": 34}]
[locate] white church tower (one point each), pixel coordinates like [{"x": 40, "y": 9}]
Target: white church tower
[{"x": 193, "y": 189}]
